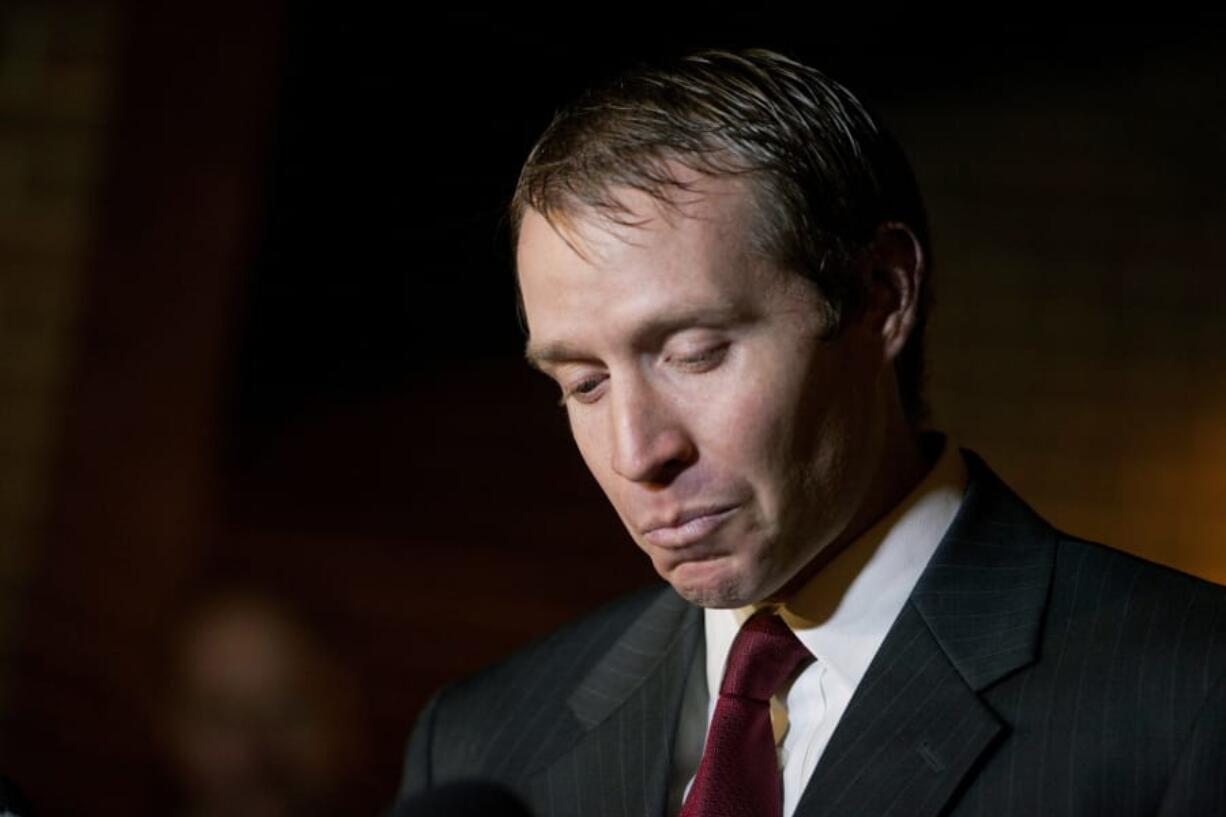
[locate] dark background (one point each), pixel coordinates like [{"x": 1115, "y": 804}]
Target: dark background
[{"x": 284, "y": 350}]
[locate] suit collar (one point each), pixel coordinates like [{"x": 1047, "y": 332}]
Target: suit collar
[
  {"x": 984, "y": 592},
  {"x": 916, "y": 726},
  {"x": 667, "y": 632},
  {"x": 615, "y": 753}
]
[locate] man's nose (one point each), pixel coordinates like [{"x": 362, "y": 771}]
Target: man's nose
[{"x": 650, "y": 442}]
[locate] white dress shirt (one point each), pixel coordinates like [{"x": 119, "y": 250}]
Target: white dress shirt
[{"x": 841, "y": 616}]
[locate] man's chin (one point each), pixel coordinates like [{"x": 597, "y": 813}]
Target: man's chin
[{"x": 714, "y": 583}]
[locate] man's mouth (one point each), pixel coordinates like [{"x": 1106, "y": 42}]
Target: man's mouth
[{"x": 688, "y": 527}]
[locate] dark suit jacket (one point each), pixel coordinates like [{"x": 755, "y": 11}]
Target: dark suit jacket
[{"x": 1030, "y": 673}]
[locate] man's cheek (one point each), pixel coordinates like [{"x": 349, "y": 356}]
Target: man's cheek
[{"x": 593, "y": 454}]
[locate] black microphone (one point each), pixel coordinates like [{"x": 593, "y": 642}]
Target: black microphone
[{"x": 468, "y": 798}]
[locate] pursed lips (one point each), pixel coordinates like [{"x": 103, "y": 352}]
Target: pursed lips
[{"x": 688, "y": 526}]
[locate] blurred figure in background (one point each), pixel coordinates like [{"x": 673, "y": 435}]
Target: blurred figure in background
[{"x": 258, "y": 718}]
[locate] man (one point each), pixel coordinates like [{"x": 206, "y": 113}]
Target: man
[{"x": 724, "y": 265}]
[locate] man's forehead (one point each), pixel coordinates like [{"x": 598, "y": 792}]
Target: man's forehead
[{"x": 635, "y": 216}]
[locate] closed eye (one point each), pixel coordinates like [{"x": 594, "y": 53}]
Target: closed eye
[
  {"x": 700, "y": 360},
  {"x": 585, "y": 390}
]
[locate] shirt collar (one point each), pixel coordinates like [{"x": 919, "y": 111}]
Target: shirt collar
[{"x": 844, "y": 612}]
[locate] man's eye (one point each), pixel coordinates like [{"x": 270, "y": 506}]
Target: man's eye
[
  {"x": 585, "y": 390},
  {"x": 702, "y": 359}
]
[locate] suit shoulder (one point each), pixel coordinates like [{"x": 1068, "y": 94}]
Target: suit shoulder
[
  {"x": 1140, "y": 607},
  {"x": 539, "y": 678},
  {"x": 503, "y": 723},
  {"x": 1085, "y": 559},
  {"x": 565, "y": 653}
]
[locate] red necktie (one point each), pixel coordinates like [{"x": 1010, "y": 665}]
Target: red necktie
[{"x": 739, "y": 772}]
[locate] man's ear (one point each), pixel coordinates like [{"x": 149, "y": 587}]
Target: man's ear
[{"x": 897, "y": 268}]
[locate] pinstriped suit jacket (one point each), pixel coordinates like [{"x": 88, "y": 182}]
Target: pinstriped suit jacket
[{"x": 1030, "y": 673}]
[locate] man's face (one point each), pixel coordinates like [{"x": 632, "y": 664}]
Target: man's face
[{"x": 734, "y": 443}]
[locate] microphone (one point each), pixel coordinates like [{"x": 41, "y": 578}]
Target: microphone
[{"x": 468, "y": 798}]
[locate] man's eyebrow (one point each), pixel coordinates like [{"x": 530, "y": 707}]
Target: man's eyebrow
[
  {"x": 650, "y": 331},
  {"x": 539, "y": 357}
]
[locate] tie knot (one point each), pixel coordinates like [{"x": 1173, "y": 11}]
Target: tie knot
[{"x": 764, "y": 655}]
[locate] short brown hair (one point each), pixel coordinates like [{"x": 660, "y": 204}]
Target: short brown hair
[{"x": 825, "y": 172}]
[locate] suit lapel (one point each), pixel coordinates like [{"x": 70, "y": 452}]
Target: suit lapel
[
  {"x": 619, "y": 758},
  {"x": 916, "y": 726}
]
